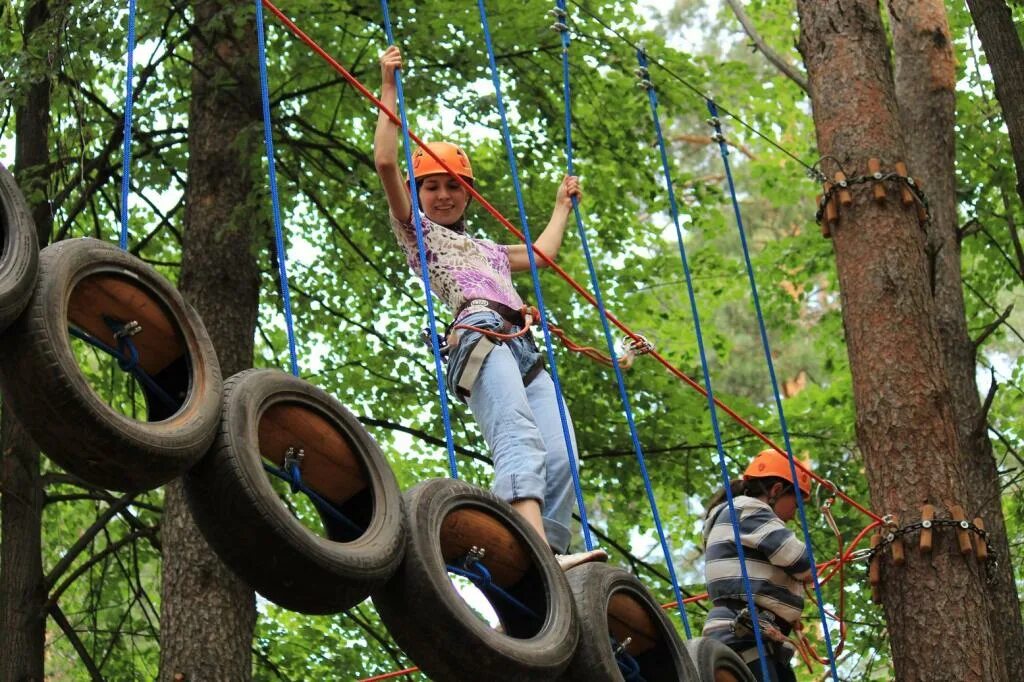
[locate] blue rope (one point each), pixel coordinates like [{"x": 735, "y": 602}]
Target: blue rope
[
  {"x": 478, "y": 574},
  {"x": 507, "y": 136},
  {"x": 713, "y": 110},
  {"x": 674, "y": 208},
  {"x": 128, "y": 360},
  {"x": 293, "y": 478},
  {"x": 629, "y": 667},
  {"x": 282, "y": 267},
  {"x": 126, "y": 161},
  {"x": 421, "y": 246},
  {"x": 608, "y": 334}
]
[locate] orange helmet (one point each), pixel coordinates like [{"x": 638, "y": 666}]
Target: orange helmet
[
  {"x": 771, "y": 463},
  {"x": 424, "y": 164}
]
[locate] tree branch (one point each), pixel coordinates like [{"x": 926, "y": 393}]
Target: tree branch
[
  {"x": 776, "y": 60},
  {"x": 69, "y": 631},
  {"x": 989, "y": 328}
]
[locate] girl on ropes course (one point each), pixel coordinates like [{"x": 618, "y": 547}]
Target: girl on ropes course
[
  {"x": 493, "y": 362},
  {"x": 776, "y": 561}
]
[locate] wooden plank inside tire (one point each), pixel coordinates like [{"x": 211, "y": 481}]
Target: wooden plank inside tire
[
  {"x": 19, "y": 250},
  {"x": 432, "y": 622},
  {"x": 49, "y": 393},
  {"x": 266, "y": 414},
  {"x": 614, "y": 605}
]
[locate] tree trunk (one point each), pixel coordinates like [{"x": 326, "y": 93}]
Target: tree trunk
[
  {"x": 925, "y": 90},
  {"x": 905, "y": 423},
  {"x": 1005, "y": 55},
  {"x": 22, "y": 591},
  {"x": 208, "y": 615}
]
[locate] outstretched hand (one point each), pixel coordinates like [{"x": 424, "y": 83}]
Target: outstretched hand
[
  {"x": 569, "y": 188},
  {"x": 390, "y": 60}
]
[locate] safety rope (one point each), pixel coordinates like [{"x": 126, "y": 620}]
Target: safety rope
[
  {"x": 537, "y": 292},
  {"x": 801, "y": 511},
  {"x": 630, "y": 351},
  {"x": 563, "y": 30},
  {"x": 733, "y": 516},
  {"x": 586, "y": 295},
  {"x": 417, "y": 221},
  {"x": 127, "y": 356},
  {"x": 126, "y": 157},
  {"x": 268, "y": 139}
]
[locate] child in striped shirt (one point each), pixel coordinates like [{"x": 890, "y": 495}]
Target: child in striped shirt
[{"x": 776, "y": 561}]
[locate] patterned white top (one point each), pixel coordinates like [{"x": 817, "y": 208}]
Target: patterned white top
[{"x": 461, "y": 267}]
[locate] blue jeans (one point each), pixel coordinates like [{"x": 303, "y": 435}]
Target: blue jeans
[{"x": 522, "y": 427}]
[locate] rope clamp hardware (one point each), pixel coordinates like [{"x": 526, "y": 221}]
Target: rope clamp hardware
[
  {"x": 559, "y": 26},
  {"x": 558, "y": 13},
  {"x": 128, "y": 329},
  {"x": 620, "y": 647},
  {"x": 474, "y": 556},
  {"x": 293, "y": 456}
]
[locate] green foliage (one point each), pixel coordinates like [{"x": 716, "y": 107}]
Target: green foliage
[{"x": 359, "y": 311}]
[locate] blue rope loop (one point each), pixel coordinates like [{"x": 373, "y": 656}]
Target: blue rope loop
[
  {"x": 268, "y": 140},
  {"x": 610, "y": 341},
  {"x": 712, "y": 408},
  {"x": 801, "y": 508},
  {"x": 293, "y": 477},
  {"x": 629, "y": 667},
  {"x": 127, "y": 357},
  {"x": 129, "y": 96},
  {"x": 422, "y": 249},
  {"x": 474, "y": 570},
  {"x": 537, "y": 292}
]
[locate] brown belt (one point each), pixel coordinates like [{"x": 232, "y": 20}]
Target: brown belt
[{"x": 511, "y": 315}]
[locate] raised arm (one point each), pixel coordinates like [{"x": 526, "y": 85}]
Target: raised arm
[
  {"x": 385, "y": 139},
  {"x": 550, "y": 239}
]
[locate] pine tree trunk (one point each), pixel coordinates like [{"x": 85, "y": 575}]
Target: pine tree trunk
[
  {"x": 905, "y": 423},
  {"x": 1005, "y": 54},
  {"x": 22, "y": 591},
  {"x": 208, "y": 615},
  {"x": 925, "y": 90}
]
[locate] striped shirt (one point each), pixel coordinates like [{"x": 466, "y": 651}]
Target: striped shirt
[{"x": 776, "y": 565}]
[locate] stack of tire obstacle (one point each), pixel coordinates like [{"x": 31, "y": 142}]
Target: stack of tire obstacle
[{"x": 240, "y": 443}]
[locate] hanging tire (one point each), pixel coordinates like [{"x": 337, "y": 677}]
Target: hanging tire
[
  {"x": 266, "y": 412},
  {"x": 88, "y": 285},
  {"x": 19, "y": 250},
  {"x": 716, "y": 662},
  {"x": 436, "y": 627},
  {"x": 613, "y": 605}
]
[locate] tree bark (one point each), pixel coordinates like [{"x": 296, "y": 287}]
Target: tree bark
[
  {"x": 22, "y": 589},
  {"x": 905, "y": 423},
  {"x": 208, "y": 615},
  {"x": 1005, "y": 54},
  {"x": 925, "y": 90}
]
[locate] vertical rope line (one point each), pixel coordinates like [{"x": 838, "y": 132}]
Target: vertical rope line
[
  {"x": 709, "y": 391},
  {"x": 507, "y": 136},
  {"x": 126, "y": 156},
  {"x": 421, "y": 246},
  {"x": 724, "y": 150},
  {"x": 268, "y": 138},
  {"x": 566, "y": 96}
]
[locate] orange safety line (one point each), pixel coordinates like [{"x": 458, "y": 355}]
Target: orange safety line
[
  {"x": 392, "y": 675},
  {"x": 554, "y": 266}
]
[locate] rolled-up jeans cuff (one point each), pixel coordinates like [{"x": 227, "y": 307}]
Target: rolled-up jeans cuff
[
  {"x": 557, "y": 535},
  {"x": 519, "y": 486}
]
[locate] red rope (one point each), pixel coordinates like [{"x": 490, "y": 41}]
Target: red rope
[
  {"x": 392, "y": 675},
  {"x": 554, "y": 266}
]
